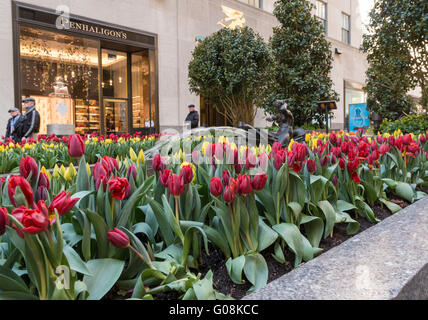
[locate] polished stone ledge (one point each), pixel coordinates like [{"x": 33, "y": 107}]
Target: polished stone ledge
[{"x": 387, "y": 261}]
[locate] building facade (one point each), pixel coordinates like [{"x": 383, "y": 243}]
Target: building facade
[{"x": 121, "y": 66}]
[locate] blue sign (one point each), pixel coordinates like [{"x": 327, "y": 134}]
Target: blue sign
[{"x": 358, "y": 117}]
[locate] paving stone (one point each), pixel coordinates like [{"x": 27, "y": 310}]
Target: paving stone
[{"x": 386, "y": 261}]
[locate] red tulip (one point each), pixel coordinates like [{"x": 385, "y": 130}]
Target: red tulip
[
  {"x": 226, "y": 177},
  {"x": 175, "y": 185},
  {"x": 229, "y": 194},
  {"x": 118, "y": 187},
  {"x": 244, "y": 185},
  {"x": 342, "y": 164},
  {"x": 335, "y": 182},
  {"x": 28, "y": 165},
  {"x": 4, "y": 220},
  {"x": 118, "y": 238},
  {"x": 311, "y": 166},
  {"x": 62, "y": 203},
  {"x": 413, "y": 148},
  {"x": 332, "y": 138},
  {"x": 324, "y": 161},
  {"x": 216, "y": 187},
  {"x": 132, "y": 171},
  {"x": 110, "y": 163},
  {"x": 34, "y": 221},
  {"x": 157, "y": 160},
  {"x": 250, "y": 161},
  {"x": 352, "y": 166},
  {"x": 356, "y": 177},
  {"x": 423, "y": 138},
  {"x": 101, "y": 169},
  {"x": 279, "y": 159},
  {"x": 407, "y": 139},
  {"x": 25, "y": 188},
  {"x": 187, "y": 173},
  {"x": 384, "y": 149},
  {"x": 238, "y": 168},
  {"x": 43, "y": 180},
  {"x": 41, "y": 193},
  {"x": 259, "y": 181},
  {"x": 76, "y": 146},
  {"x": 164, "y": 177}
]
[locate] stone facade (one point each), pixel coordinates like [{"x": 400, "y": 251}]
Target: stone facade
[{"x": 177, "y": 23}]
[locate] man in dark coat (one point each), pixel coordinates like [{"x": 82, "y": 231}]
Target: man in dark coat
[
  {"x": 14, "y": 125},
  {"x": 193, "y": 117},
  {"x": 31, "y": 118}
]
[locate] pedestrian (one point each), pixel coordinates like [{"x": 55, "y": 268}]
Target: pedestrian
[
  {"x": 14, "y": 125},
  {"x": 31, "y": 118},
  {"x": 193, "y": 116}
]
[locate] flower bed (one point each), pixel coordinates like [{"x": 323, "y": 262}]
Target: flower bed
[
  {"x": 218, "y": 211},
  {"x": 52, "y": 150}
]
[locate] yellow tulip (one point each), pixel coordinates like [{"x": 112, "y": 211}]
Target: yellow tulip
[
  {"x": 56, "y": 172},
  {"x": 132, "y": 155},
  {"x": 88, "y": 168},
  {"x": 141, "y": 158},
  {"x": 291, "y": 144},
  {"x": 118, "y": 161}
]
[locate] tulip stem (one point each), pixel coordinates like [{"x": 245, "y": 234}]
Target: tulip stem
[
  {"x": 176, "y": 210},
  {"x": 148, "y": 262}
]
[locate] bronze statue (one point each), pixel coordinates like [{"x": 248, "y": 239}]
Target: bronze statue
[{"x": 285, "y": 120}]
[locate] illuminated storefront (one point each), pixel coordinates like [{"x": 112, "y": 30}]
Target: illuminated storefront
[{"x": 85, "y": 73}]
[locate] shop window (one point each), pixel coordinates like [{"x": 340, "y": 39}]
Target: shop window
[
  {"x": 141, "y": 116},
  {"x": 61, "y": 73}
]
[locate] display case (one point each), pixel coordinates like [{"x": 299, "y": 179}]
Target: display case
[{"x": 87, "y": 116}]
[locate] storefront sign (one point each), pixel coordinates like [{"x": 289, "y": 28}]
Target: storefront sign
[
  {"x": 358, "y": 117},
  {"x": 81, "y": 26}
]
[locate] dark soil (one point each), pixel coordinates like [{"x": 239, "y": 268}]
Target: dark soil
[
  {"x": 216, "y": 262},
  {"x": 222, "y": 282}
]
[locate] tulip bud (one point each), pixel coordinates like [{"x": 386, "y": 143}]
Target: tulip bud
[
  {"x": 187, "y": 173},
  {"x": 133, "y": 155},
  {"x": 76, "y": 146},
  {"x": 229, "y": 194},
  {"x": 4, "y": 220},
  {"x": 324, "y": 161},
  {"x": 244, "y": 185},
  {"x": 132, "y": 170},
  {"x": 259, "y": 181},
  {"x": 41, "y": 193},
  {"x": 141, "y": 158},
  {"x": 226, "y": 177},
  {"x": 311, "y": 166},
  {"x": 175, "y": 185},
  {"x": 43, "y": 180},
  {"x": 118, "y": 238},
  {"x": 216, "y": 188},
  {"x": 164, "y": 177},
  {"x": 335, "y": 182},
  {"x": 28, "y": 165},
  {"x": 157, "y": 161}
]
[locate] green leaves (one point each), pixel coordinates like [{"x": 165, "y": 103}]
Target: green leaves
[{"x": 104, "y": 274}]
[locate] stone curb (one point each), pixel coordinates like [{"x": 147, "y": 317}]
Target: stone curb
[{"x": 387, "y": 261}]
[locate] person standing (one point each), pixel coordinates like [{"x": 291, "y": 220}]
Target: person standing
[
  {"x": 14, "y": 125},
  {"x": 31, "y": 119},
  {"x": 193, "y": 116}
]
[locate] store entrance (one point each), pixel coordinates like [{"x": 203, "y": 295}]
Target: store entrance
[{"x": 96, "y": 85}]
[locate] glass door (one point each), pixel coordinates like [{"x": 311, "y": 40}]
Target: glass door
[
  {"x": 116, "y": 115},
  {"x": 114, "y": 88}
]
